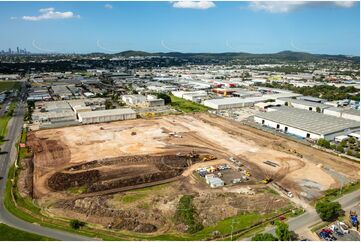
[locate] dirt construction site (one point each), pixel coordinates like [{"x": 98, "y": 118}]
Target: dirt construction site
[{"x": 130, "y": 174}]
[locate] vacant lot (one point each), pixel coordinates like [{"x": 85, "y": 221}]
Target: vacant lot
[
  {"x": 130, "y": 175},
  {"x": 186, "y": 106}
]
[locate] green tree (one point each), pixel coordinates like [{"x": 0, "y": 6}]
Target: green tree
[
  {"x": 328, "y": 211},
  {"x": 352, "y": 140},
  {"x": 318, "y": 109},
  {"x": 339, "y": 148},
  {"x": 76, "y": 224},
  {"x": 324, "y": 143},
  {"x": 283, "y": 233},
  {"x": 264, "y": 237},
  {"x": 165, "y": 97}
]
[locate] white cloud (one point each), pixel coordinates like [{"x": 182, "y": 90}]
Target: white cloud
[
  {"x": 289, "y": 6},
  {"x": 108, "y": 6},
  {"x": 44, "y": 10},
  {"x": 276, "y": 7},
  {"x": 13, "y": 18},
  {"x": 344, "y": 4},
  {"x": 50, "y": 13},
  {"x": 194, "y": 4}
]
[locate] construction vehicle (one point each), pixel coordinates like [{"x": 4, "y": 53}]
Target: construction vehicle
[
  {"x": 209, "y": 158},
  {"x": 211, "y": 169},
  {"x": 267, "y": 180},
  {"x": 247, "y": 173},
  {"x": 149, "y": 115}
]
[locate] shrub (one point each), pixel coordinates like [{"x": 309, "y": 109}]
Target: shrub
[
  {"x": 324, "y": 143},
  {"x": 264, "y": 237},
  {"x": 76, "y": 224},
  {"x": 186, "y": 214},
  {"x": 165, "y": 97},
  {"x": 339, "y": 148}
]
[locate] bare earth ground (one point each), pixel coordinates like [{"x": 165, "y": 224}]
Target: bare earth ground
[{"x": 109, "y": 160}]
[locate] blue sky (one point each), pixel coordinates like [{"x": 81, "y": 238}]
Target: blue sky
[{"x": 256, "y": 27}]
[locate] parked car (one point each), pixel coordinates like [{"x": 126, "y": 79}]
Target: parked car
[
  {"x": 336, "y": 230},
  {"x": 343, "y": 227}
]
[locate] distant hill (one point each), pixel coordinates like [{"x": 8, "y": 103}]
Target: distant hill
[{"x": 283, "y": 55}]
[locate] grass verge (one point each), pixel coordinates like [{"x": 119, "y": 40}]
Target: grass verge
[
  {"x": 4, "y": 120},
  {"x": 333, "y": 194},
  {"x": 9, "y": 85},
  {"x": 12, "y": 234}
]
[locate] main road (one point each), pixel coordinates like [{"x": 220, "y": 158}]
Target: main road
[
  {"x": 7, "y": 156},
  {"x": 309, "y": 218}
]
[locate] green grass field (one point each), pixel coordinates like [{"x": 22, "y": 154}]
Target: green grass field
[
  {"x": 8, "y": 85},
  {"x": 186, "y": 106},
  {"x": 13, "y": 234},
  {"x": 228, "y": 225}
]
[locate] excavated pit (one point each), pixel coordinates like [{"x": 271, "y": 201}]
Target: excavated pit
[{"x": 120, "y": 172}]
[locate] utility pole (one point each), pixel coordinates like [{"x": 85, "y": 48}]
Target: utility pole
[{"x": 232, "y": 229}]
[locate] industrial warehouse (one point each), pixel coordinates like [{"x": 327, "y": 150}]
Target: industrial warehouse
[
  {"x": 306, "y": 124},
  {"x": 237, "y": 102},
  {"x": 74, "y": 112},
  {"x": 106, "y": 115}
]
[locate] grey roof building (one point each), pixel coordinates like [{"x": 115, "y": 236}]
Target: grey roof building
[
  {"x": 304, "y": 103},
  {"x": 306, "y": 124}
]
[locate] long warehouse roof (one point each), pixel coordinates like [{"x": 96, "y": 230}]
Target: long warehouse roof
[
  {"x": 347, "y": 111},
  {"x": 239, "y": 100},
  {"x": 309, "y": 121},
  {"x": 108, "y": 112},
  {"x": 305, "y": 103}
]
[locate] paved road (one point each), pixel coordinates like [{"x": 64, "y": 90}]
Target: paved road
[
  {"x": 3, "y": 107},
  {"x": 6, "y": 159},
  {"x": 311, "y": 217}
]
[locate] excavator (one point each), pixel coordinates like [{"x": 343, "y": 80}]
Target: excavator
[
  {"x": 247, "y": 173},
  {"x": 266, "y": 180}
]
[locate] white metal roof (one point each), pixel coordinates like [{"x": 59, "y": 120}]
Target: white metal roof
[
  {"x": 309, "y": 121},
  {"x": 108, "y": 112}
]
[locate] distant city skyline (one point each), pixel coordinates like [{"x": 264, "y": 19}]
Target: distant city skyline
[
  {"x": 213, "y": 27},
  {"x": 18, "y": 50}
]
